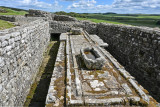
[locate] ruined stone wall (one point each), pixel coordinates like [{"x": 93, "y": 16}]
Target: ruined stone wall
[
  {"x": 10, "y": 18},
  {"x": 64, "y": 26},
  {"x": 64, "y": 18},
  {"x": 138, "y": 49},
  {"x": 20, "y": 20},
  {"x": 39, "y": 13},
  {"x": 21, "y": 53}
]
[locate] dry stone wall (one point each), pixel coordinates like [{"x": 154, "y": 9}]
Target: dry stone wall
[
  {"x": 64, "y": 18},
  {"x": 10, "y": 18},
  {"x": 138, "y": 49},
  {"x": 39, "y": 13},
  {"x": 21, "y": 53},
  {"x": 64, "y": 26},
  {"x": 19, "y": 20}
]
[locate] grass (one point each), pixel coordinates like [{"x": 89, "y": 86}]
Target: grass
[
  {"x": 129, "y": 19},
  {"x": 10, "y": 11},
  {"x": 13, "y": 12},
  {"x": 99, "y": 21},
  {"x": 5, "y": 25}
]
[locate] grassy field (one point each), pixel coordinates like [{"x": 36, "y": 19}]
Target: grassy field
[
  {"x": 10, "y": 11},
  {"x": 98, "y": 21},
  {"x": 5, "y": 25},
  {"x": 130, "y": 19},
  {"x": 13, "y": 11}
]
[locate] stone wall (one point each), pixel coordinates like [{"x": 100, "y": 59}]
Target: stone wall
[
  {"x": 138, "y": 49},
  {"x": 64, "y": 26},
  {"x": 3, "y": 10},
  {"x": 64, "y": 18},
  {"x": 20, "y": 20},
  {"x": 10, "y": 18},
  {"x": 39, "y": 13},
  {"x": 21, "y": 53}
]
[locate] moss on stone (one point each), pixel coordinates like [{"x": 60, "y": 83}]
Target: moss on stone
[{"x": 97, "y": 92}]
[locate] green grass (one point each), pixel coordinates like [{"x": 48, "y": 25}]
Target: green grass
[
  {"x": 99, "y": 21},
  {"x": 10, "y": 11},
  {"x": 148, "y": 20},
  {"x": 5, "y": 25},
  {"x": 126, "y": 16},
  {"x": 13, "y": 12}
]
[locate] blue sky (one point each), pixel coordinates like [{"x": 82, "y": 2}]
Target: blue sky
[{"x": 90, "y": 6}]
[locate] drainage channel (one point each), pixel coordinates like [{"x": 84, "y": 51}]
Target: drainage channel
[{"x": 39, "y": 89}]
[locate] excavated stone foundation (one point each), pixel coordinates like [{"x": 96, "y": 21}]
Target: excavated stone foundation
[{"x": 73, "y": 84}]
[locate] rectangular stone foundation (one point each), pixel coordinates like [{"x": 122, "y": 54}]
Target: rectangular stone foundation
[{"x": 112, "y": 85}]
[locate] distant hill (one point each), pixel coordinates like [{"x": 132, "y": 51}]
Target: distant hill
[
  {"x": 16, "y": 9},
  {"x": 109, "y": 13},
  {"x": 12, "y": 11}
]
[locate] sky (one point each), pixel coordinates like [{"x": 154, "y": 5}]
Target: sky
[{"x": 88, "y": 6}]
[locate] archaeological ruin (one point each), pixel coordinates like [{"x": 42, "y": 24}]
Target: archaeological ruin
[{"x": 96, "y": 64}]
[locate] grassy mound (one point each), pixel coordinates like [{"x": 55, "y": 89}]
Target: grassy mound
[
  {"x": 9, "y": 11},
  {"x": 12, "y": 11},
  {"x": 5, "y": 25}
]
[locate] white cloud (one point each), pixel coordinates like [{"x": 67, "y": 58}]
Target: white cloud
[
  {"x": 32, "y": 4},
  {"x": 119, "y": 6},
  {"x": 56, "y": 6},
  {"x": 26, "y": 1},
  {"x": 83, "y": 4},
  {"x": 35, "y": 4}
]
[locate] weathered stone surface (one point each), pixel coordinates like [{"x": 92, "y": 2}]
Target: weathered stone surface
[
  {"x": 141, "y": 93},
  {"x": 21, "y": 51},
  {"x": 100, "y": 86},
  {"x": 2, "y": 10},
  {"x": 96, "y": 83},
  {"x": 63, "y": 37},
  {"x": 90, "y": 63},
  {"x": 39, "y": 13},
  {"x": 76, "y": 31},
  {"x": 109, "y": 101},
  {"x": 98, "y": 40},
  {"x": 127, "y": 89},
  {"x": 64, "y": 18},
  {"x": 18, "y": 20},
  {"x": 137, "y": 49},
  {"x": 65, "y": 26},
  {"x": 20, "y": 57},
  {"x": 51, "y": 99},
  {"x": 53, "y": 96}
]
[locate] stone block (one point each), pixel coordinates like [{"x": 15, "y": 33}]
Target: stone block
[
  {"x": 92, "y": 58},
  {"x": 76, "y": 31},
  {"x": 4, "y": 43},
  {"x": 2, "y": 63},
  {"x": 11, "y": 41},
  {"x": 63, "y": 37}
]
